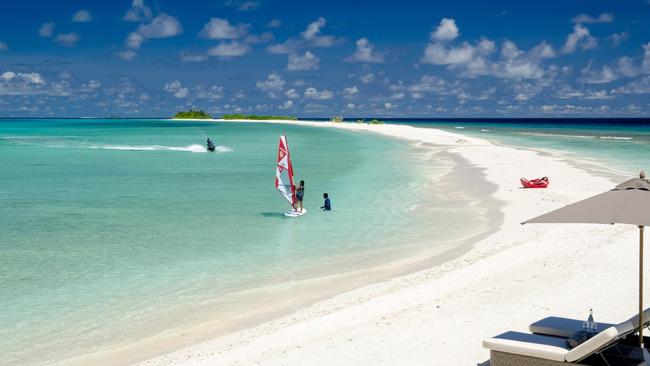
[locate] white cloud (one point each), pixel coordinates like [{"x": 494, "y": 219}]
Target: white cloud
[
  {"x": 367, "y": 78},
  {"x": 313, "y": 35},
  {"x": 67, "y": 39},
  {"x": 350, "y": 106},
  {"x": 645, "y": 65},
  {"x": 598, "y": 95},
  {"x": 509, "y": 50},
  {"x": 292, "y": 94},
  {"x": 138, "y": 12},
  {"x": 218, "y": 28},
  {"x": 313, "y": 93},
  {"x": 177, "y": 89},
  {"x": 127, "y": 55},
  {"x": 272, "y": 85},
  {"x": 274, "y": 23},
  {"x": 438, "y": 54},
  {"x": 46, "y": 29},
  {"x": 229, "y": 49},
  {"x": 286, "y": 47},
  {"x": 365, "y": 52},
  {"x": 162, "y": 26},
  {"x": 569, "y": 93},
  {"x": 427, "y": 84},
  {"x": 580, "y": 37},
  {"x": 3, "y": 46},
  {"x": 286, "y": 105},
  {"x": 617, "y": 38},
  {"x": 82, "y": 16},
  {"x": 446, "y": 31},
  {"x": 192, "y": 57},
  {"x": 350, "y": 91},
  {"x": 518, "y": 68},
  {"x": 208, "y": 92},
  {"x": 32, "y": 83},
  {"x": 542, "y": 50},
  {"x": 626, "y": 67},
  {"x": 313, "y": 29},
  {"x": 389, "y": 105},
  {"x": 605, "y": 75},
  {"x": 30, "y": 78},
  {"x": 90, "y": 86},
  {"x": 308, "y": 61},
  {"x": 640, "y": 86},
  {"x": 588, "y": 19}
]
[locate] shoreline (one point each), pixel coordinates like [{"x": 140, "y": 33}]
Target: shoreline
[
  {"x": 310, "y": 290},
  {"x": 320, "y": 325}
]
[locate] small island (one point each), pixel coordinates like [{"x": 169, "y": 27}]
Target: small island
[
  {"x": 257, "y": 118},
  {"x": 192, "y": 114}
]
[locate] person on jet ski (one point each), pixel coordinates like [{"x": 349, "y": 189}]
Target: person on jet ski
[{"x": 210, "y": 144}]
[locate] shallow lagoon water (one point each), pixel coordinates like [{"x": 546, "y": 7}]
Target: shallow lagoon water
[{"x": 118, "y": 230}]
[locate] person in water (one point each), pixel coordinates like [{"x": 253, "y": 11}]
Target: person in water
[
  {"x": 300, "y": 194},
  {"x": 327, "y": 205}
]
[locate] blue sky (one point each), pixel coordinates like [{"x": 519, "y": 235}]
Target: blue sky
[{"x": 363, "y": 58}]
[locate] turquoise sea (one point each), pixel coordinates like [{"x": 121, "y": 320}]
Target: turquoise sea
[
  {"x": 620, "y": 146},
  {"x": 116, "y": 233}
]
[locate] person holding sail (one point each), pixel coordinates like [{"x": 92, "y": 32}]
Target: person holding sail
[{"x": 300, "y": 195}]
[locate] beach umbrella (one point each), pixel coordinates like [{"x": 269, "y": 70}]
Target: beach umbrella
[{"x": 627, "y": 203}]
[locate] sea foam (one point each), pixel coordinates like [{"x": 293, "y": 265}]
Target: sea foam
[{"x": 190, "y": 148}]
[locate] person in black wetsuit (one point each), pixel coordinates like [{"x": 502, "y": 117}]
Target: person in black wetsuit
[
  {"x": 210, "y": 145},
  {"x": 300, "y": 194},
  {"x": 327, "y": 205}
]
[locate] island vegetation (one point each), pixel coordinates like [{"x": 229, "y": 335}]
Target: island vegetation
[
  {"x": 336, "y": 119},
  {"x": 373, "y": 121},
  {"x": 257, "y": 118},
  {"x": 192, "y": 114}
]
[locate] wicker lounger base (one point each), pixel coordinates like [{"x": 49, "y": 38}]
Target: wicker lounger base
[{"x": 508, "y": 359}]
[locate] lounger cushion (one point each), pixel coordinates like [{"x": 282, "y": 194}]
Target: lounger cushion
[
  {"x": 594, "y": 344},
  {"x": 561, "y": 327},
  {"x": 533, "y": 345}
]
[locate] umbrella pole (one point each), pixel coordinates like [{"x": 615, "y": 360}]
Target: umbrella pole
[{"x": 641, "y": 321}]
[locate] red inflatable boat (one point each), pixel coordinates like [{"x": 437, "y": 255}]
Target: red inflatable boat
[{"x": 534, "y": 183}]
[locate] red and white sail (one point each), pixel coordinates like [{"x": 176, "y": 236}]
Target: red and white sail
[{"x": 284, "y": 172}]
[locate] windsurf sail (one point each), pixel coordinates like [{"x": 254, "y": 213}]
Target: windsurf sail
[{"x": 284, "y": 172}]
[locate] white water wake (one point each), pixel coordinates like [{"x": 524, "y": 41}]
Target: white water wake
[
  {"x": 58, "y": 142},
  {"x": 190, "y": 148}
]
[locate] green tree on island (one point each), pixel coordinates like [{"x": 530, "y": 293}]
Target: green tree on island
[
  {"x": 257, "y": 118},
  {"x": 191, "y": 114}
]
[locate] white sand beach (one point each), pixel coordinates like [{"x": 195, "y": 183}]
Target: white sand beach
[{"x": 440, "y": 316}]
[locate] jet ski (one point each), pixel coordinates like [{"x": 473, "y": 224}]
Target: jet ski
[
  {"x": 534, "y": 183},
  {"x": 210, "y": 145}
]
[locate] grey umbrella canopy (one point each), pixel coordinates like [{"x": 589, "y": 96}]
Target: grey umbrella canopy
[{"x": 627, "y": 203}]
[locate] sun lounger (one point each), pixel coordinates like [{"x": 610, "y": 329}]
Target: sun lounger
[
  {"x": 561, "y": 327},
  {"x": 523, "y": 349},
  {"x": 566, "y": 327}
]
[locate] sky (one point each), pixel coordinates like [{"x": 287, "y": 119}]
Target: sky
[{"x": 151, "y": 58}]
